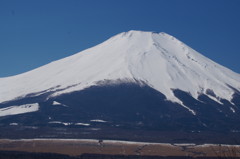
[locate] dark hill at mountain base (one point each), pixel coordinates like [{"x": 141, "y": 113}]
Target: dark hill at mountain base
[
  {"x": 28, "y": 132},
  {"x": 126, "y": 112}
]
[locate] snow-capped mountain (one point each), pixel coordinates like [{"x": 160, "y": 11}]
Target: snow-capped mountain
[
  {"x": 134, "y": 61},
  {"x": 156, "y": 59}
]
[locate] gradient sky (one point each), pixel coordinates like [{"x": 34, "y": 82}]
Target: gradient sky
[{"x": 36, "y": 32}]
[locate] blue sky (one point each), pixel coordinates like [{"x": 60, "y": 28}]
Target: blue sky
[{"x": 36, "y": 32}]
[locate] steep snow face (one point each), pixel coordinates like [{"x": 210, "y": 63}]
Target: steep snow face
[{"x": 156, "y": 59}]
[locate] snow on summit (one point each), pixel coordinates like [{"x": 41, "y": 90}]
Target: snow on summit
[{"x": 156, "y": 59}]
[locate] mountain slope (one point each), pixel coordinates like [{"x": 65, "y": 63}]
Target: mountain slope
[{"x": 156, "y": 59}]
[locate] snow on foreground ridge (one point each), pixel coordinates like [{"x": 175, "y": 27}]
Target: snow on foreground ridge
[
  {"x": 14, "y": 110},
  {"x": 156, "y": 59}
]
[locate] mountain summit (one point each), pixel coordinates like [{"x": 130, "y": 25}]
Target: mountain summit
[{"x": 159, "y": 62}]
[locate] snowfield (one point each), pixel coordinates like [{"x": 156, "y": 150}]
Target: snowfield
[{"x": 14, "y": 110}]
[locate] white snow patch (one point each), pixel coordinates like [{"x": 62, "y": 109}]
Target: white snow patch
[
  {"x": 232, "y": 103},
  {"x": 98, "y": 120},
  {"x": 215, "y": 99},
  {"x": 95, "y": 129},
  {"x": 82, "y": 124},
  {"x": 232, "y": 109},
  {"x": 68, "y": 123},
  {"x": 13, "y": 124},
  {"x": 59, "y": 122},
  {"x": 58, "y": 104},
  {"x": 184, "y": 144},
  {"x": 21, "y": 109},
  {"x": 189, "y": 109}
]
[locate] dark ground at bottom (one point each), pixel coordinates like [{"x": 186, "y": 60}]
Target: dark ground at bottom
[{"x": 28, "y": 155}]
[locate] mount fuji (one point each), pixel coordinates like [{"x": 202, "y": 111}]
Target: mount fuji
[{"x": 134, "y": 82}]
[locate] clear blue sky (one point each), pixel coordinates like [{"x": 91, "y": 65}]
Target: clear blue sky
[{"x": 36, "y": 32}]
